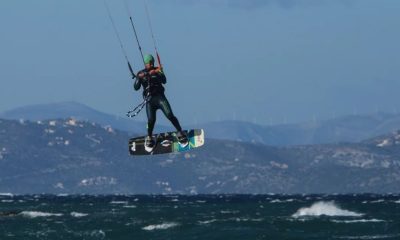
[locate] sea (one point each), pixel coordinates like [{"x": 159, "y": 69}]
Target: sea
[{"x": 206, "y": 217}]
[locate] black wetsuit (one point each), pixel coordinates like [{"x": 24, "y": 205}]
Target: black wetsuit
[{"x": 157, "y": 98}]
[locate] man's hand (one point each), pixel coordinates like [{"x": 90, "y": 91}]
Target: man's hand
[
  {"x": 142, "y": 75},
  {"x": 155, "y": 71}
]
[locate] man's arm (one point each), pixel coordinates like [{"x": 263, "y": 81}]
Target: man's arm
[
  {"x": 160, "y": 75},
  {"x": 138, "y": 82}
]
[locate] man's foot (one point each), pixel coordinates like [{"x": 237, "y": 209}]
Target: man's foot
[
  {"x": 182, "y": 138},
  {"x": 149, "y": 144}
]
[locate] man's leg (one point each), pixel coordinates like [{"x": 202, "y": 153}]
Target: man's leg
[
  {"x": 166, "y": 108},
  {"x": 151, "y": 120}
]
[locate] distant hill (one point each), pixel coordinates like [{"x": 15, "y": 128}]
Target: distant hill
[
  {"x": 73, "y": 110},
  {"x": 68, "y": 156},
  {"x": 352, "y": 128}
]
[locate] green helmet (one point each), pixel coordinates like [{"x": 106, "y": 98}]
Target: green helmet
[{"x": 148, "y": 58}]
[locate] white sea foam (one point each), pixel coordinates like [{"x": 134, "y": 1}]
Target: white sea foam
[
  {"x": 370, "y": 237},
  {"x": 7, "y": 201},
  {"x": 208, "y": 221},
  {"x": 98, "y": 234},
  {"x": 63, "y": 195},
  {"x": 281, "y": 201},
  {"x": 248, "y": 219},
  {"x": 78, "y": 214},
  {"x": 358, "y": 221},
  {"x": 119, "y": 202},
  {"x": 162, "y": 226},
  {"x": 129, "y": 206},
  {"x": 229, "y": 212},
  {"x": 34, "y": 214},
  {"x": 324, "y": 208},
  {"x": 378, "y": 201},
  {"x": 398, "y": 201},
  {"x": 7, "y": 194}
]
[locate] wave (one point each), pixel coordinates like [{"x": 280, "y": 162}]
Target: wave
[
  {"x": 63, "y": 195},
  {"x": 129, "y": 206},
  {"x": 35, "y": 214},
  {"x": 281, "y": 201},
  {"x": 77, "y": 214},
  {"x": 207, "y": 221},
  {"x": 229, "y": 211},
  {"x": 324, "y": 209},
  {"x": 162, "y": 226},
  {"x": 358, "y": 221},
  {"x": 371, "y": 237},
  {"x": 119, "y": 202},
  {"x": 6, "y": 194},
  {"x": 248, "y": 219},
  {"x": 378, "y": 201}
]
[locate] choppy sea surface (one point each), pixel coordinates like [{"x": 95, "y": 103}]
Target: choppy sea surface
[{"x": 225, "y": 217}]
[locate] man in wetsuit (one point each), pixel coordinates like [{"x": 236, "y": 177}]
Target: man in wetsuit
[{"x": 152, "y": 80}]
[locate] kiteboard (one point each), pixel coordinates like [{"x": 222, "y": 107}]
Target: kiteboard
[{"x": 167, "y": 143}]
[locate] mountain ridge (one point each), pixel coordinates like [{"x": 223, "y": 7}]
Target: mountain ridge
[
  {"x": 80, "y": 157},
  {"x": 352, "y": 128}
]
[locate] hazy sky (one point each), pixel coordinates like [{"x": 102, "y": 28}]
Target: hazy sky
[{"x": 267, "y": 61}]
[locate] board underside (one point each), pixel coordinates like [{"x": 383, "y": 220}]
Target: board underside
[{"x": 167, "y": 143}]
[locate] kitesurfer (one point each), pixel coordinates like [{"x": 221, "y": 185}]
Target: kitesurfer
[{"x": 152, "y": 79}]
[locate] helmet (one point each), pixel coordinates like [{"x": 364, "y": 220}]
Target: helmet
[{"x": 148, "y": 58}]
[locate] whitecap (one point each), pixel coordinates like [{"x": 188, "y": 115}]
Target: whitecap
[
  {"x": 34, "y": 214},
  {"x": 207, "y": 221},
  {"x": 98, "y": 234},
  {"x": 78, "y": 214},
  {"x": 324, "y": 209},
  {"x": 358, "y": 221},
  {"x": 129, "y": 206},
  {"x": 162, "y": 226},
  {"x": 281, "y": 201},
  {"x": 119, "y": 202},
  {"x": 371, "y": 237},
  {"x": 249, "y": 219},
  {"x": 7, "y": 194},
  {"x": 229, "y": 212},
  {"x": 378, "y": 201},
  {"x": 63, "y": 195}
]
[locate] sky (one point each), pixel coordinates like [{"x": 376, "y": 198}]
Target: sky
[{"x": 263, "y": 61}]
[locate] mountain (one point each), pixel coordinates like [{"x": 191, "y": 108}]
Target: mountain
[
  {"x": 352, "y": 128},
  {"x": 77, "y": 111},
  {"x": 74, "y": 157}
]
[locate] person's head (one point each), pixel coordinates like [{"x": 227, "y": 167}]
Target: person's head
[{"x": 149, "y": 61}]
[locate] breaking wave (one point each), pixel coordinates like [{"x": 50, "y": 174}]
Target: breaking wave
[
  {"x": 324, "y": 209},
  {"x": 77, "y": 214},
  {"x": 35, "y": 214},
  {"x": 207, "y": 221},
  {"x": 358, "y": 221},
  {"x": 162, "y": 226},
  {"x": 371, "y": 237}
]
